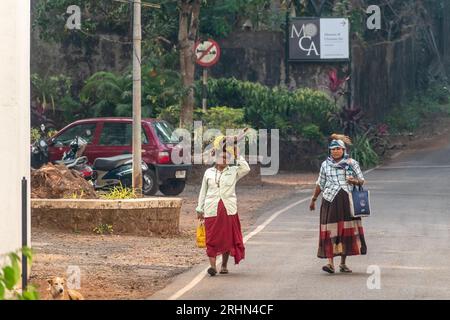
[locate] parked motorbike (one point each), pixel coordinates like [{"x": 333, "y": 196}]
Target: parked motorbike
[
  {"x": 74, "y": 159},
  {"x": 116, "y": 171},
  {"x": 39, "y": 150}
]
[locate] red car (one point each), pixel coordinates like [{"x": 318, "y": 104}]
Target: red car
[{"x": 109, "y": 137}]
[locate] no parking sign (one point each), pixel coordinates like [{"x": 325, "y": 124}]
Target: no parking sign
[{"x": 207, "y": 53}]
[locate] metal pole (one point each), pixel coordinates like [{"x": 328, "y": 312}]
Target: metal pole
[
  {"x": 24, "y": 234},
  {"x": 286, "y": 47},
  {"x": 137, "y": 144},
  {"x": 205, "y": 89}
]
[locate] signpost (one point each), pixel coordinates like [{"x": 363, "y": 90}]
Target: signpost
[
  {"x": 319, "y": 39},
  {"x": 208, "y": 54}
]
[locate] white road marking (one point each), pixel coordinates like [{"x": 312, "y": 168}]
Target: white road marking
[
  {"x": 413, "y": 268},
  {"x": 258, "y": 229},
  {"x": 415, "y": 167},
  {"x": 370, "y": 170},
  {"x": 396, "y": 154}
]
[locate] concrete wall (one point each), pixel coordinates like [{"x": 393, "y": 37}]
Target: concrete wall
[{"x": 14, "y": 116}]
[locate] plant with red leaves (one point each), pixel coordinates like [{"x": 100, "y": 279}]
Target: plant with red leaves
[
  {"x": 336, "y": 85},
  {"x": 349, "y": 120},
  {"x": 383, "y": 129}
]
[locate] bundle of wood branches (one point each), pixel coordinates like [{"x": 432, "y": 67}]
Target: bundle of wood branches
[{"x": 59, "y": 182}]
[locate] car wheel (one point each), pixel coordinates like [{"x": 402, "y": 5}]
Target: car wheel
[
  {"x": 172, "y": 187},
  {"x": 149, "y": 185}
]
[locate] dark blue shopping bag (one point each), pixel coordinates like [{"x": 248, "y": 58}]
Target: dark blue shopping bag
[{"x": 359, "y": 202}]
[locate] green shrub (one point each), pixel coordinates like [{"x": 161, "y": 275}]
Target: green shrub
[
  {"x": 271, "y": 108},
  {"x": 312, "y": 132},
  {"x": 119, "y": 192},
  {"x": 408, "y": 118},
  {"x": 223, "y": 118},
  {"x": 10, "y": 275},
  {"x": 170, "y": 114},
  {"x": 36, "y": 134},
  {"x": 362, "y": 151},
  {"x": 400, "y": 119},
  {"x": 102, "y": 229}
]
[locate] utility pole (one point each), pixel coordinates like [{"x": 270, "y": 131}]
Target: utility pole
[
  {"x": 137, "y": 119},
  {"x": 137, "y": 143}
]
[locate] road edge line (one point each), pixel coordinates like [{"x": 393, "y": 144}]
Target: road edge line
[{"x": 199, "y": 277}]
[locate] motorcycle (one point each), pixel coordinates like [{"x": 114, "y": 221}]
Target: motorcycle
[
  {"x": 39, "y": 150},
  {"x": 74, "y": 159},
  {"x": 115, "y": 171}
]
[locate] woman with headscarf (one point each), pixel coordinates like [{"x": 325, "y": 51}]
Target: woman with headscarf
[
  {"x": 217, "y": 206},
  {"x": 340, "y": 233}
]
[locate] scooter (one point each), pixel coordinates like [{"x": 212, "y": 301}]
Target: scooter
[
  {"x": 74, "y": 159},
  {"x": 39, "y": 151},
  {"x": 115, "y": 171}
]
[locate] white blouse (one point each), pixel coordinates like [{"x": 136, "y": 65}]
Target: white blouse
[{"x": 218, "y": 185}]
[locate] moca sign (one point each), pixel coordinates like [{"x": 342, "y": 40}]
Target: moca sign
[{"x": 319, "y": 39}]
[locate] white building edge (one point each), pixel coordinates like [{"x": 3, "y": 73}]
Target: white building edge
[{"x": 14, "y": 119}]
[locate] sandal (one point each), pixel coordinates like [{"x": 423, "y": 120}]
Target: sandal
[
  {"x": 212, "y": 272},
  {"x": 343, "y": 268},
  {"x": 224, "y": 271},
  {"x": 328, "y": 268}
]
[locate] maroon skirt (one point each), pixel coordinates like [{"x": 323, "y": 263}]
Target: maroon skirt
[{"x": 223, "y": 234}]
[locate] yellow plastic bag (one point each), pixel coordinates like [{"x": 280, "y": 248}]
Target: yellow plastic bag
[{"x": 201, "y": 235}]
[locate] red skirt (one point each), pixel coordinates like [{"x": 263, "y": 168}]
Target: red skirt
[{"x": 223, "y": 234}]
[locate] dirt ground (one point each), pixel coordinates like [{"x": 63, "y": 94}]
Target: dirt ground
[
  {"x": 129, "y": 267},
  {"x": 132, "y": 267}
]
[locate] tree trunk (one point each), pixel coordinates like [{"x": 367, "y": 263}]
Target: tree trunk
[{"x": 187, "y": 35}]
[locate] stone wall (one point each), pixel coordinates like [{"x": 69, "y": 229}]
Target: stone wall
[
  {"x": 107, "y": 53},
  {"x": 446, "y": 35},
  {"x": 384, "y": 74},
  {"x": 143, "y": 217}
]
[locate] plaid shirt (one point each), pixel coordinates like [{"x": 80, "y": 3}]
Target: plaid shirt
[{"x": 332, "y": 179}]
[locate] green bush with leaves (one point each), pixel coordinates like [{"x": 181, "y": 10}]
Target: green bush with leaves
[
  {"x": 269, "y": 108},
  {"x": 362, "y": 151},
  {"x": 103, "y": 228},
  {"x": 10, "y": 275},
  {"x": 49, "y": 91},
  {"x": 221, "y": 118},
  {"x": 119, "y": 192},
  {"x": 431, "y": 103},
  {"x": 106, "y": 94},
  {"x": 36, "y": 134}
]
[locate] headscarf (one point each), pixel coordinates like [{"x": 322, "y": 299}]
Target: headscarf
[{"x": 338, "y": 142}]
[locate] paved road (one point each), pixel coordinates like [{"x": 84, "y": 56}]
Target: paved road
[{"x": 407, "y": 238}]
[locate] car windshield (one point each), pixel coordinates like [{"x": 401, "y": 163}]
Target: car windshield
[{"x": 164, "y": 132}]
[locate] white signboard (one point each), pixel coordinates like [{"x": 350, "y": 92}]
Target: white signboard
[
  {"x": 317, "y": 39},
  {"x": 334, "y": 39}
]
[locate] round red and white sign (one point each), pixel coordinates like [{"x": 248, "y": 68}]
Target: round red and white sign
[{"x": 207, "y": 52}]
